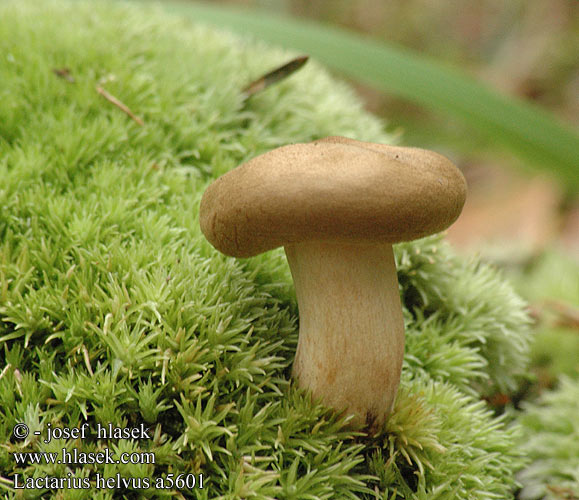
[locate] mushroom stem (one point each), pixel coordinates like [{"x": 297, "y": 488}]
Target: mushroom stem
[{"x": 351, "y": 340}]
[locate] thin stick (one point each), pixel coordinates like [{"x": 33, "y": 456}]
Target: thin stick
[{"x": 123, "y": 107}]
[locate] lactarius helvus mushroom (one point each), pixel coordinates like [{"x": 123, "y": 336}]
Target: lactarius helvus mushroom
[{"x": 337, "y": 205}]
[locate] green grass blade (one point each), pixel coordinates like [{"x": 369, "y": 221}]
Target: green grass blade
[{"x": 531, "y": 133}]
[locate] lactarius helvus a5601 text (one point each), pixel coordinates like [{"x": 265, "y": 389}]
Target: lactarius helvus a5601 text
[{"x": 337, "y": 205}]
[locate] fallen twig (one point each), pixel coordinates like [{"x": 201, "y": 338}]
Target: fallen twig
[{"x": 123, "y": 107}]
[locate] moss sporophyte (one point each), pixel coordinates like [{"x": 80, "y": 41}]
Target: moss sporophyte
[{"x": 114, "y": 308}]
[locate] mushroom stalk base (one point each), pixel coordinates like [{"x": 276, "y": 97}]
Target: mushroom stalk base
[{"x": 351, "y": 340}]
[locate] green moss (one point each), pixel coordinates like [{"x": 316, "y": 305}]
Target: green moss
[
  {"x": 550, "y": 424},
  {"x": 551, "y": 441},
  {"x": 476, "y": 322},
  {"x": 114, "y": 308},
  {"x": 550, "y": 283}
]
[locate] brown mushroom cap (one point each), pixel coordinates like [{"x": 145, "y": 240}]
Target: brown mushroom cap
[{"x": 333, "y": 189}]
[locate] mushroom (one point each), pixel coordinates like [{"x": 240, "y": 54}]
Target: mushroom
[{"x": 337, "y": 205}]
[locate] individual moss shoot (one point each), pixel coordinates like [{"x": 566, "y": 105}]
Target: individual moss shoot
[{"x": 115, "y": 309}]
